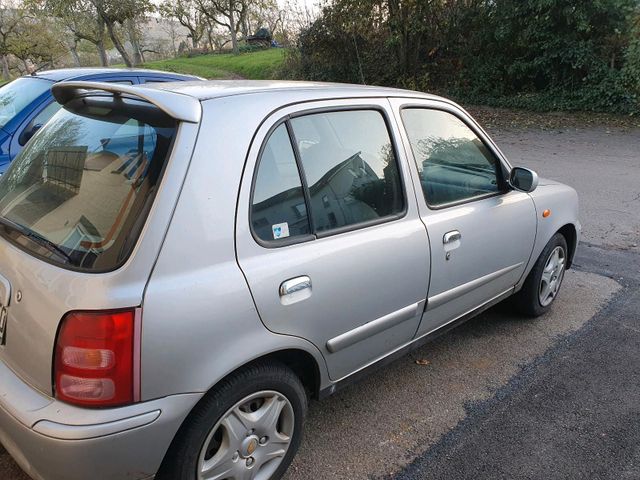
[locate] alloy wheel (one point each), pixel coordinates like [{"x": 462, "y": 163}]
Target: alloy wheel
[{"x": 250, "y": 441}]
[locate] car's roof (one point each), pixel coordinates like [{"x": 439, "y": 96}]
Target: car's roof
[
  {"x": 82, "y": 73},
  {"x": 205, "y": 90}
]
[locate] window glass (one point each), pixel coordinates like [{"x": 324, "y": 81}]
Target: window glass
[
  {"x": 350, "y": 167},
  {"x": 278, "y": 208},
  {"x": 454, "y": 164},
  {"x": 79, "y": 192},
  {"x": 38, "y": 121},
  {"x": 16, "y": 95}
]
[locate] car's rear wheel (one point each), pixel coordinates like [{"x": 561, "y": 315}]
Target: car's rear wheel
[
  {"x": 543, "y": 284},
  {"x": 248, "y": 427}
]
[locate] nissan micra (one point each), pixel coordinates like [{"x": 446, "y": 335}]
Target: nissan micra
[{"x": 183, "y": 266}]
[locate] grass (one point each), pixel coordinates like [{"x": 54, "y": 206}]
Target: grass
[{"x": 259, "y": 65}]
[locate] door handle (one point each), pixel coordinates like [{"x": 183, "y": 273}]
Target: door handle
[
  {"x": 451, "y": 237},
  {"x": 295, "y": 290}
]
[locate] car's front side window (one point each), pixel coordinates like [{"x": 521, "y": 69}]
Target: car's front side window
[{"x": 453, "y": 162}]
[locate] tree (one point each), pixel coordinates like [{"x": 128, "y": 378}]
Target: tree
[
  {"x": 544, "y": 54},
  {"x": 170, "y": 27},
  {"x": 116, "y": 14},
  {"x": 81, "y": 19},
  {"x": 11, "y": 18},
  {"x": 37, "y": 43},
  {"x": 189, "y": 15},
  {"x": 227, "y": 14},
  {"x": 262, "y": 13}
]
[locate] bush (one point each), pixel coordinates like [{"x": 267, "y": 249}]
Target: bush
[{"x": 538, "y": 54}]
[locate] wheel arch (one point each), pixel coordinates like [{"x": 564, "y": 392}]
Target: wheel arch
[
  {"x": 301, "y": 362},
  {"x": 570, "y": 233}
]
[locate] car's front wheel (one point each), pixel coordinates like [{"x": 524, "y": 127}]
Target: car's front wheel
[
  {"x": 248, "y": 427},
  {"x": 543, "y": 284}
]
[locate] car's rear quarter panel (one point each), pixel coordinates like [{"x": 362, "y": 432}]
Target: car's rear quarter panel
[
  {"x": 49, "y": 291},
  {"x": 199, "y": 320}
]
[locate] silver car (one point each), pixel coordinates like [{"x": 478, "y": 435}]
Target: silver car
[{"x": 183, "y": 266}]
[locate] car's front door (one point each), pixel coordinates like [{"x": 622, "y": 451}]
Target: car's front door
[
  {"x": 328, "y": 232},
  {"x": 481, "y": 232}
]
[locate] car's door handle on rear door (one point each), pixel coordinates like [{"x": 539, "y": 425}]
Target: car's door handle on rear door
[
  {"x": 451, "y": 241},
  {"x": 451, "y": 237},
  {"x": 295, "y": 290}
]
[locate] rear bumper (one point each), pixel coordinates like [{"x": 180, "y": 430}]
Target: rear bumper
[{"x": 55, "y": 441}]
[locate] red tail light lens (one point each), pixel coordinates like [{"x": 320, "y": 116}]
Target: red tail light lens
[{"x": 94, "y": 358}]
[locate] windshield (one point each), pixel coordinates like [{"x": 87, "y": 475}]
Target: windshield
[
  {"x": 79, "y": 192},
  {"x": 16, "y": 95}
]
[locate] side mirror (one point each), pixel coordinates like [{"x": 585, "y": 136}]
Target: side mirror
[
  {"x": 26, "y": 134},
  {"x": 523, "y": 179}
]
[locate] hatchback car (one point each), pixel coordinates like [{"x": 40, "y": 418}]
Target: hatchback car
[
  {"x": 183, "y": 266},
  {"x": 26, "y": 103}
]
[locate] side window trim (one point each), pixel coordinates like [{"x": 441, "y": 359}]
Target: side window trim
[
  {"x": 336, "y": 231},
  {"x": 286, "y": 241},
  {"x": 490, "y": 148},
  {"x": 303, "y": 176}
]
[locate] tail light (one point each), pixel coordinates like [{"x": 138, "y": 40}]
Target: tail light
[{"x": 95, "y": 358}]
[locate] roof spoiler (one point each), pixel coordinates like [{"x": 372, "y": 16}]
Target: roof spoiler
[{"x": 179, "y": 106}]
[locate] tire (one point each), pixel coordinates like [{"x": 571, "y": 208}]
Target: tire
[
  {"x": 239, "y": 423},
  {"x": 531, "y": 300}
]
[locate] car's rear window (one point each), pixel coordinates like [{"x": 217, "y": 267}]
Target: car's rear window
[{"x": 79, "y": 193}]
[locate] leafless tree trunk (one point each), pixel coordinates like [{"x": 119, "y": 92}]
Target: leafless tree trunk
[
  {"x": 5, "y": 67},
  {"x": 118, "y": 44},
  {"x": 102, "y": 53},
  {"x": 231, "y": 11},
  {"x": 73, "y": 49},
  {"x": 138, "y": 57},
  {"x": 233, "y": 28},
  {"x": 210, "y": 39}
]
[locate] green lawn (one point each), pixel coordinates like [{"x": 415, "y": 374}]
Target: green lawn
[{"x": 259, "y": 65}]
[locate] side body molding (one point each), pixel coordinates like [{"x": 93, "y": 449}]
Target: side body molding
[
  {"x": 444, "y": 297},
  {"x": 376, "y": 326},
  {"x": 179, "y": 106}
]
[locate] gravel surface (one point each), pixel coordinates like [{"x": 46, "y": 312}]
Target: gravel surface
[{"x": 500, "y": 396}]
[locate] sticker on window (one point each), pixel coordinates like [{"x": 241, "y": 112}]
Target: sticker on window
[{"x": 280, "y": 230}]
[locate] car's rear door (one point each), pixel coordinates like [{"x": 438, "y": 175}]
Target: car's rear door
[
  {"x": 481, "y": 232},
  {"x": 328, "y": 232}
]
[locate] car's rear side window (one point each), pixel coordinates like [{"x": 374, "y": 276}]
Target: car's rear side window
[
  {"x": 278, "y": 208},
  {"x": 350, "y": 167},
  {"x": 79, "y": 193},
  {"x": 323, "y": 172}
]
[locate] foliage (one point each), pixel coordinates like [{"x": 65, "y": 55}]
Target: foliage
[
  {"x": 36, "y": 40},
  {"x": 631, "y": 69},
  {"x": 541, "y": 54},
  {"x": 187, "y": 13},
  {"x": 259, "y": 65}
]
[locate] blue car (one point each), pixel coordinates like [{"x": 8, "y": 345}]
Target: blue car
[{"x": 26, "y": 103}]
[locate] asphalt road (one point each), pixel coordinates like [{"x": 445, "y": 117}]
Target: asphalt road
[{"x": 504, "y": 397}]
